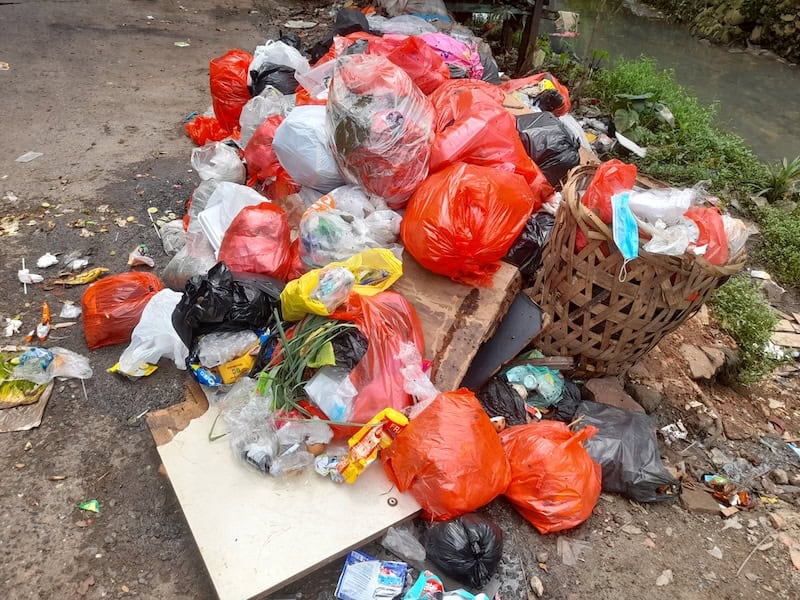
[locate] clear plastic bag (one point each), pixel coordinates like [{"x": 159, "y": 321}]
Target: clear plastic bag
[
  {"x": 301, "y": 143},
  {"x": 426, "y": 7},
  {"x": 330, "y": 234},
  {"x": 381, "y": 125},
  {"x": 215, "y": 349},
  {"x": 401, "y": 24},
  {"x": 672, "y": 240},
  {"x": 218, "y": 160},
  {"x": 667, "y": 205},
  {"x": 401, "y": 542},
  {"x": 200, "y": 197},
  {"x": 318, "y": 79},
  {"x": 195, "y": 258},
  {"x": 306, "y": 431},
  {"x": 41, "y": 365},
  {"x": 173, "y": 236},
  {"x": 223, "y": 207},
  {"x": 737, "y": 232},
  {"x": 155, "y": 337},
  {"x": 333, "y": 287},
  {"x": 251, "y": 427},
  {"x": 269, "y": 102},
  {"x": 332, "y": 391}
]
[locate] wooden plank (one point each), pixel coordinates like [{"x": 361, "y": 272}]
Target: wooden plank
[
  {"x": 456, "y": 318},
  {"x": 787, "y": 340},
  {"x": 258, "y": 533},
  {"x": 784, "y": 325},
  {"x": 164, "y": 424}
]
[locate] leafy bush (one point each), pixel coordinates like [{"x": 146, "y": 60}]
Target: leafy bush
[
  {"x": 780, "y": 243},
  {"x": 749, "y": 319},
  {"x": 691, "y": 151},
  {"x": 783, "y": 180}
]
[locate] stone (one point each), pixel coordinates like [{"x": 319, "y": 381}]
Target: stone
[
  {"x": 773, "y": 291},
  {"x": 719, "y": 458},
  {"x": 751, "y": 576},
  {"x": 715, "y": 355},
  {"x": 648, "y": 398},
  {"x": 729, "y": 511},
  {"x": 648, "y": 543},
  {"x": 700, "y": 366},
  {"x": 542, "y": 557},
  {"x": 755, "y": 35},
  {"x": 794, "y": 479},
  {"x": 665, "y": 578},
  {"x": 537, "y": 586},
  {"x": 779, "y": 476},
  {"x": 631, "y": 530},
  {"x": 699, "y": 502},
  {"x": 777, "y": 521},
  {"x": 787, "y": 340},
  {"x": 609, "y": 390},
  {"x": 716, "y": 552},
  {"x": 734, "y": 430}
]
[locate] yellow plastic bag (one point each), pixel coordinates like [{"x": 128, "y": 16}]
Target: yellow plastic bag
[{"x": 320, "y": 291}]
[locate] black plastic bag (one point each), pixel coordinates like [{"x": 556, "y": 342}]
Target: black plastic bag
[
  {"x": 348, "y": 21},
  {"x": 491, "y": 74},
  {"x": 564, "y": 410},
  {"x": 526, "y": 251},
  {"x": 220, "y": 301},
  {"x": 550, "y": 144},
  {"x": 468, "y": 548},
  {"x": 280, "y": 77},
  {"x": 627, "y": 450},
  {"x": 292, "y": 39},
  {"x": 499, "y": 399},
  {"x": 457, "y": 72},
  {"x": 349, "y": 347}
]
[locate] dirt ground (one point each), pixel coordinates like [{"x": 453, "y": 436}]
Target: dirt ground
[{"x": 102, "y": 91}]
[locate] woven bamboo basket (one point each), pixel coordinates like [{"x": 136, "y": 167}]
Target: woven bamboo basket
[{"x": 606, "y": 324}]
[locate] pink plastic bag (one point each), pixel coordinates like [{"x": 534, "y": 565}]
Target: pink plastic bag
[{"x": 456, "y": 52}]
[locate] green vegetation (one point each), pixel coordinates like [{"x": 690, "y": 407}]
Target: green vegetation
[
  {"x": 783, "y": 180},
  {"x": 689, "y": 150},
  {"x": 780, "y": 243},
  {"x": 745, "y": 315}
]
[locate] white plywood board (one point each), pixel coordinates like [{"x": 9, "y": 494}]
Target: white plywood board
[{"x": 257, "y": 533}]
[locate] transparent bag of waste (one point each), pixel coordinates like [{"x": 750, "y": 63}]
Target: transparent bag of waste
[
  {"x": 155, "y": 337},
  {"x": 41, "y": 365},
  {"x": 401, "y": 542},
  {"x": 218, "y": 160},
  {"x": 251, "y": 426},
  {"x": 332, "y": 391},
  {"x": 214, "y": 349},
  {"x": 173, "y": 237},
  {"x": 269, "y": 102},
  {"x": 195, "y": 258}
]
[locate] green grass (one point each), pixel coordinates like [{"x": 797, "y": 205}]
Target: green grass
[
  {"x": 695, "y": 149},
  {"x": 745, "y": 315},
  {"x": 780, "y": 243}
]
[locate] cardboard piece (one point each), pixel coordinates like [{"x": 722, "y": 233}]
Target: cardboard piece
[
  {"x": 258, "y": 533},
  {"x": 456, "y": 318},
  {"x": 26, "y": 416}
]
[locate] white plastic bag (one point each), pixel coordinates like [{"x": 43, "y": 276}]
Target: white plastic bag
[
  {"x": 155, "y": 336},
  {"x": 269, "y": 102},
  {"x": 402, "y": 25},
  {"x": 277, "y": 53},
  {"x": 667, "y": 204},
  {"x": 41, "y": 365},
  {"x": 223, "y": 206},
  {"x": 737, "y": 233},
  {"x": 317, "y": 80},
  {"x": 672, "y": 240},
  {"x": 202, "y": 193},
  {"x": 218, "y": 160},
  {"x": 301, "y": 145}
]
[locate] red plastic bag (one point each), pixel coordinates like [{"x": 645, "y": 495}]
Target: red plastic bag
[
  {"x": 112, "y": 307},
  {"x": 462, "y": 221},
  {"x": 207, "y": 129},
  {"x": 264, "y": 171},
  {"x": 555, "y": 484},
  {"x": 296, "y": 266},
  {"x": 450, "y": 457},
  {"x": 472, "y": 126},
  {"x": 712, "y": 233},
  {"x": 228, "y": 81},
  {"x": 257, "y": 241},
  {"x": 520, "y": 84},
  {"x": 381, "y": 127},
  {"x": 387, "y": 320},
  {"x": 611, "y": 177},
  {"x": 422, "y": 63}
]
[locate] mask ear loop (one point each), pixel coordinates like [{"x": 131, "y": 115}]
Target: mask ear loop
[{"x": 623, "y": 271}]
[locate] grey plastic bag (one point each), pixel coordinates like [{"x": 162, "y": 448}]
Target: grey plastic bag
[{"x": 627, "y": 450}]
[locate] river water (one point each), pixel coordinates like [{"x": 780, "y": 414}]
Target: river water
[{"x": 757, "y": 97}]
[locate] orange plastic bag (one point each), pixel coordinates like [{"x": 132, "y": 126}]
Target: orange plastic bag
[
  {"x": 461, "y": 221},
  {"x": 112, "y": 307},
  {"x": 207, "y": 129},
  {"x": 228, "y": 81},
  {"x": 425, "y": 67},
  {"x": 450, "y": 457},
  {"x": 712, "y": 233},
  {"x": 264, "y": 171},
  {"x": 472, "y": 126},
  {"x": 611, "y": 177},
  {"x": 257, "y": 241},
  {"x": 555, "y": 484},
  {"x": 560, "y": 109},
  {"x": 388, "y": 321}
]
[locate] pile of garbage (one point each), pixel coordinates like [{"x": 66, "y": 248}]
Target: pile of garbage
[{"x": 321, "y": 169}]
